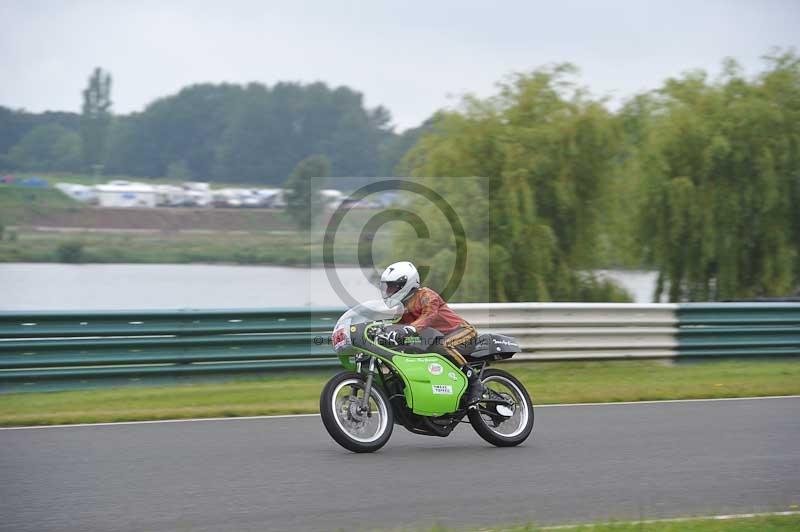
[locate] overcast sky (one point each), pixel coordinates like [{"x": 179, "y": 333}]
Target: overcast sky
[{"x": 413, "y": 57}]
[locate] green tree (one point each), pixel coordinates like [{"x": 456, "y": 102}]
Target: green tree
[
  {"x": 394, "y": 147},
  {"x": 48, "y": 147},
  {"x": 15, "y": 124},
  {"x": 273, "y": 128},
  {"x": 96, "y": 117},
  {"x": 187, "y": 126},
  {"x": 254, "y": 133},
  {"x": 548, "y": 152},
  {"x": 721, "y": 165},
  {"x": 302, "y": 190},
  {"x": 179, "y": 170}
]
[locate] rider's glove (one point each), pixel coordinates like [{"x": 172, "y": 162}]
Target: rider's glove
[
  {"x": 394, "y": 338},
  {"x": 397, "y": 334}
]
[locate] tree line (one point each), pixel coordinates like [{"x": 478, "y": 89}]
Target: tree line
[{"x": 227, "y": 133}]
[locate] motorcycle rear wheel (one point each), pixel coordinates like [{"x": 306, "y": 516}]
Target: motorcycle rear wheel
[
  {"x": 492, "y": 422},
  {"x": 355, "y": 431}
]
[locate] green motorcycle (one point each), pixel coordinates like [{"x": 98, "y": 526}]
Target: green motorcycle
[{"x": 413, "y": 385}]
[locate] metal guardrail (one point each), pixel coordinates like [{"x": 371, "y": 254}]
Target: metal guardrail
[
  {"x": 74, "y": 349},
  {"x": 575, "y": 331},
  {"x": 738, "y": 329},
  {"x": 159, "y": 322}
]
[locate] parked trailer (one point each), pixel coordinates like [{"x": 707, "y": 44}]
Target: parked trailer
[{"x": 126, "y": 194}]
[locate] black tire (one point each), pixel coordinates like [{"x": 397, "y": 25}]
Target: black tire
[
  {"x": 335, "y": 428},
  {"x": 482, "y": 426}
]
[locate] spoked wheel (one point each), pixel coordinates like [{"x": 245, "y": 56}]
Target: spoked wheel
[
  {"x": 506, "y": 419},
  {"x": 348, "y": 420}
]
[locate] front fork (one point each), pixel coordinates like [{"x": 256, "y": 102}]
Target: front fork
[{"x": 363, "y": 406}]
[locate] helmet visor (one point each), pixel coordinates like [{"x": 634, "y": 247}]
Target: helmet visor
[{"x": 389, "y": 288}]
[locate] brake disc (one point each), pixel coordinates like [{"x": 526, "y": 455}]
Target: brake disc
[{"x": 354, "y": 412}]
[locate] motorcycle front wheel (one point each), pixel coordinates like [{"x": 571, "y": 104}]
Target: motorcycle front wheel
[
  {"x": 358, "y": 429},
  {"x": 508, "y": 424}
]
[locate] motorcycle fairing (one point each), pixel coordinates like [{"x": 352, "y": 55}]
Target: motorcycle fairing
[
  {"x": 429, "y": 390},
  {"x": 434, "y": 385}
]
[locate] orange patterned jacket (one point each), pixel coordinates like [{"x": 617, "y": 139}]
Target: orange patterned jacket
[{"x": 426, "y": 308}]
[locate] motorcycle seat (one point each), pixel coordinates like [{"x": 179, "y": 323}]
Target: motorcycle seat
[{"x": 490, "y": 346}]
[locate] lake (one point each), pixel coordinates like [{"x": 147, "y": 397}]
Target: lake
[{"x": 26, "y": 286}]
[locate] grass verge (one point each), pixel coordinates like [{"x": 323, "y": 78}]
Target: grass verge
[
  {"x": 256, "y": 248},
  {"x": 176, "y": 248},
  {"x": 574, "y": 382},
  {"x": 755, "y": 523}
]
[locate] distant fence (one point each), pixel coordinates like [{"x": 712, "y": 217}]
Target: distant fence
[{"x": 53, "y": 350}]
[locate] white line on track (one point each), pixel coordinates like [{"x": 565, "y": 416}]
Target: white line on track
[
  {"x": 663, "y": 401},
  {"x": 156, "y": 421},
  {"x": 676, "y": 520},
  {"x": 285, "y": 416}
]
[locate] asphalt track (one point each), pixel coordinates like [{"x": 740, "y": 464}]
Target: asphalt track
[{"x": 584, "y": 463}]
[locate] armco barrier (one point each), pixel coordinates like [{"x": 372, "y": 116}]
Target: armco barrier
[
  {"x": 572, "y": 331},
  {"x": 739, "y": 329},
  {"x": 75, "y": 349},
  {"x": 72, "y": 349}
]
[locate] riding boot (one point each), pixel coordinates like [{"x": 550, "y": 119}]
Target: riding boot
[{"x": 476, "y": 389}]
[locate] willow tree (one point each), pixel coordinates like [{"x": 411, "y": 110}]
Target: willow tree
[
  {"x": 547, "y": 150},
  {"x": 722, "y": 169}
]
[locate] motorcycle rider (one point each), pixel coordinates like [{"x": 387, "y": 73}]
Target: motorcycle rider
[{"x": 423, "y": 307}]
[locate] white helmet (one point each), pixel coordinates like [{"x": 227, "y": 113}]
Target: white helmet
[{"x": 398, "y": 282}]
